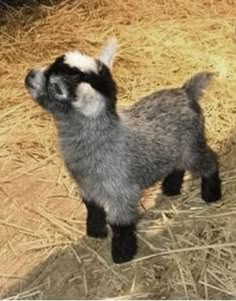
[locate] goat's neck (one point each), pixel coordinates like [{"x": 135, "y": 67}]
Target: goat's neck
[{"x": 89, "y": 130}]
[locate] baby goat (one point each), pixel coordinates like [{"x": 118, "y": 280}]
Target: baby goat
[{"x": 114, "y": 156}]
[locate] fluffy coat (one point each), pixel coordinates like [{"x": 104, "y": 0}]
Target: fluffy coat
[{"x": 114, "y": 156}]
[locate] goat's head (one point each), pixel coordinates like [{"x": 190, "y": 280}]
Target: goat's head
[{"x": 76, "y": 82}]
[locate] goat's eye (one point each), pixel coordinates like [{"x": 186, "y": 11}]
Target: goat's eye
[{"x": 57, "y": 89}]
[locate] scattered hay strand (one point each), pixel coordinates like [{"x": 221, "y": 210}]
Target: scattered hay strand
[
  {"x": 216, "y": 288},
  {"x": 9, "y": 276},
  {"x": 62, "y": 226},
  {"x": 224, "y": 245},
  {"x": 20, "y": 228},
  {"x": 50, "y": 245},
  {"x": 28, "y": 294}
]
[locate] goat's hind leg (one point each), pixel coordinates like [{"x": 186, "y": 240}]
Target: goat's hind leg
[
  {"x": 208, "y": 168},
  {"x": 211, "y": 187},
  {"x": 96, "y": 220}
]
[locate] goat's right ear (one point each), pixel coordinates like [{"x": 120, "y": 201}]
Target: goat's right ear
[{"x": 108, "y": 52}]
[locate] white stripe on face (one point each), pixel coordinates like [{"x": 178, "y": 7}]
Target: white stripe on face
[
  {"x": 81, "y": 61},
  {"x": 89, "y": 102}
]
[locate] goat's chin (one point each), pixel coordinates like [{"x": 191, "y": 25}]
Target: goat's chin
[{"x": 32, "y": 92}]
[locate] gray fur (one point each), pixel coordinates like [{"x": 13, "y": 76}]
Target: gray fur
[{"x": 114, "y": 159}]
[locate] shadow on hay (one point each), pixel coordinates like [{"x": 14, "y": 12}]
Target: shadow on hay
[
  {"x": 82, "y": 271},
  {"x": 228, "y": 159},
  {"x": 29, "y": 3},
  {"x": 23, "y": 12}
]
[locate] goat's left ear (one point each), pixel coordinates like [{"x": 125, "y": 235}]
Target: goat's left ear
[{"x": 108, "y": 52}]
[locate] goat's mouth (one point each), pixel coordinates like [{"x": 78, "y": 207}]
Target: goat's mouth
[
  {"x": 29, "y": 80},
  {"x": 33, "y": 82}
]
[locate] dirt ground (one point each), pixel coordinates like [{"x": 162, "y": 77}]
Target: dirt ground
[{"x": 186, "y": 248}]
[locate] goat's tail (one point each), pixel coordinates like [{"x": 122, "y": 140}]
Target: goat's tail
[{"x": 196, "y": 84}]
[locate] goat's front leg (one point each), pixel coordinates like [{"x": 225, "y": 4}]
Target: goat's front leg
[
  {"x": 172, "y": 183},
  {"x": 124, "y": 241},
  {"x": 96, "y": 220}
]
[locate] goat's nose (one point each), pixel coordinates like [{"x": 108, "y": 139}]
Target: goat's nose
[{"x": 29, "y": 79}]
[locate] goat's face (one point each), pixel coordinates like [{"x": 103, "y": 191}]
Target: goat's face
[{"x": 75, "y": 82}]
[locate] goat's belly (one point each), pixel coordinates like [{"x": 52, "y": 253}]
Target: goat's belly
[
  {"x": 108, "y": 192},
  {"x": 150, "y": 174}
]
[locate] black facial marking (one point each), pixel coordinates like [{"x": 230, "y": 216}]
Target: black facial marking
[
  {"x": 73, "y": 76},
  {"x": 102, "y": 82},
  {"x": 60, "y": 68}
]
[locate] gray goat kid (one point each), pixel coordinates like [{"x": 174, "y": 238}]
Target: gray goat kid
[{"x": 115, "y": 156}]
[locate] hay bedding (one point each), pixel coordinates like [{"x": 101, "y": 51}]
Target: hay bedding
[{"x": 187, "y": 249}]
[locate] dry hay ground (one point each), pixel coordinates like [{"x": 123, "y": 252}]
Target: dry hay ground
[{"x": 187, "y": 248}]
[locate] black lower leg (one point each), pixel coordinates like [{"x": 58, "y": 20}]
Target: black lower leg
[
  {"x": 173, "y": 182},
  {"x": 211, "y": 187},
  {"x": 96, "y": 220},
  {"x": 124, "y": 243}
]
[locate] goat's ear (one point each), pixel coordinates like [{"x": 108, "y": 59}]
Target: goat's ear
[{"x": 107, "y": 54}]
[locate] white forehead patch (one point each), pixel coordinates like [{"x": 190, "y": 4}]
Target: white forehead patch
[{"x": 81, "y": 61}]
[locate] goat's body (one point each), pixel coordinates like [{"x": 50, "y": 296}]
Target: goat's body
[
  {"x": 161, "y": 132},
  {"x": 114, "y": 160}
]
